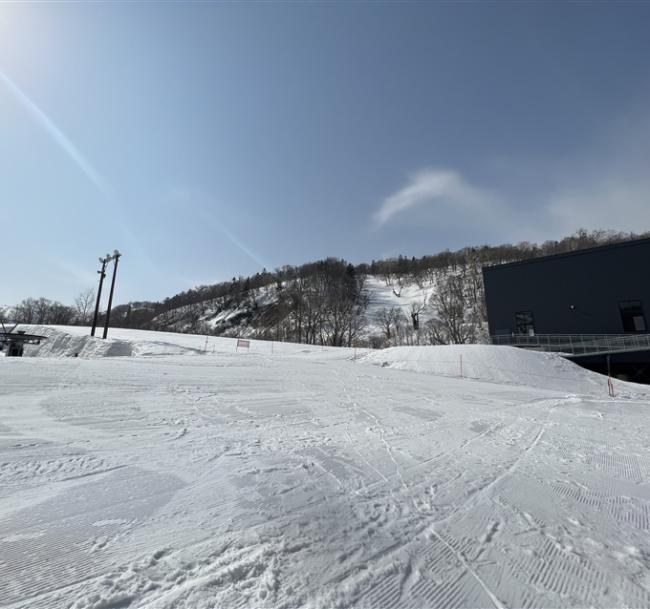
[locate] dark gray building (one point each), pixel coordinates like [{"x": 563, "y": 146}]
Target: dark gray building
[
  {"x": 592, "y": 305},
  {"x": 601, "y": 290}
]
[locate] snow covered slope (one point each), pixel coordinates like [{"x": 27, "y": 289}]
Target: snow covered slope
[
  {"x": 309, "y": 478},
  {"x": 383, "y": 296},
  {"x": 498, "y": 364}
]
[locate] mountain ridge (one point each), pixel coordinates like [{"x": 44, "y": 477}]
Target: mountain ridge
[{"x": 434, "y": 299}]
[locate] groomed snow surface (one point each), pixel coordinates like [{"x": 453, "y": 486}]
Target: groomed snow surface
[{"x": 186, "y": 474}]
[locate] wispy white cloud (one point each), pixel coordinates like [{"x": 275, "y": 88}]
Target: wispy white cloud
[
  {"x": 609, "y": 187},
  {"x": 442, "y": 187},
  {"x": 609, "y": 202},
  {"x": 604, "y": 186},
  {"x": 57, "y": 135},
  {"x": 445, "y": 199}
]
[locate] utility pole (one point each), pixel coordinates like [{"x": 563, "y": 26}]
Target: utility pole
[
  {"x": 116, "y": 256},
  {"x": 102, "y": 274}
]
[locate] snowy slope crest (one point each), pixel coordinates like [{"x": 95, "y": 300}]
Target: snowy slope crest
[
  {"x": 498, "y": 364},
  {"x": 75, "y": 341}
]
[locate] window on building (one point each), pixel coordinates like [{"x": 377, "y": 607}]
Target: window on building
[
  {"x": 632, "y": 316},
  {"x": 524, "y": 323}
]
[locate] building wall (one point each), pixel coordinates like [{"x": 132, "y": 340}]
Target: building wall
[{"x": 576, "y": 293}]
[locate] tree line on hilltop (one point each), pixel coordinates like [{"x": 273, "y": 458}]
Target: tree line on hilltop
[{"x": 326, "y": 302}]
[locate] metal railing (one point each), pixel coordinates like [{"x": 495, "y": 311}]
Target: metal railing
[{"x": 576, "y": 344}]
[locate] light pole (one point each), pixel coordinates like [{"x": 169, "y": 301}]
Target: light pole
[
  {"x": 102, "y": 274},
  {"x": 116, "y": 256}
]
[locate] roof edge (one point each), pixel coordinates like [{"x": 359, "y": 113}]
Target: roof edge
[{"x": 578, "y": 252}]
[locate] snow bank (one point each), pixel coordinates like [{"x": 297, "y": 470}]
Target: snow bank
[
  {"x": 498, "y": 364},
  {"x": 63, "y": 344},
  {"x": 71, "y": 341}
]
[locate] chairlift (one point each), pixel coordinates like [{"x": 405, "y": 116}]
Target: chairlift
[{"x": 14, "y": 341}]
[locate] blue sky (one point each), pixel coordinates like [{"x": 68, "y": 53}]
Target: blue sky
[{"x": 209, "y": 140}]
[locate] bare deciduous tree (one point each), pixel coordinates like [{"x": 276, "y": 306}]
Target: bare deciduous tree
[
  {"x": 84, "y": 304},
  {"x": 59, "y": 314},
  {"x": 25, "y": 311},
  {"x": 388, "y": 318},
  {"x": 42, "y": 311},
  {"x": 416, "y": 307},
  {"x": 456, "y": 322}
]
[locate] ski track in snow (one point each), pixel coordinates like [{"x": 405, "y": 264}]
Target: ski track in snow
[{"x": 305, "y": 478}]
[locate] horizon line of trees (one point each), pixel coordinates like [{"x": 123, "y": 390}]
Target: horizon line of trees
[
  {"x": 419, "y": 268},
  {"x": 43, "y": 311},
  {"x": 325, "y": 302}
]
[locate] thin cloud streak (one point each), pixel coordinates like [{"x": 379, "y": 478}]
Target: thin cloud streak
[
  {"x": 201, "y": 205},
  {"x": 57, "y": 135},
  {"x": 220, "y": 226},
  {"x": 86, "y": 167},
  {"x": 233, "y": 239},
  {"x": 71, "y": 273}
]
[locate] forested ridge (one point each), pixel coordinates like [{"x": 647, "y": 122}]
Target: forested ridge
[{"x": 433, "y": 299}]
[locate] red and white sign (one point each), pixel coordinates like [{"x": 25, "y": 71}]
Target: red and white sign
[{"x": 244, "y": 344}]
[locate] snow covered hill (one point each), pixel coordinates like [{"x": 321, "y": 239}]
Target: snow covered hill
[
  {"x": 393, "y": 301},
  {"x": 497, "y": 364},
  {"x": 286, "y": 475}
]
